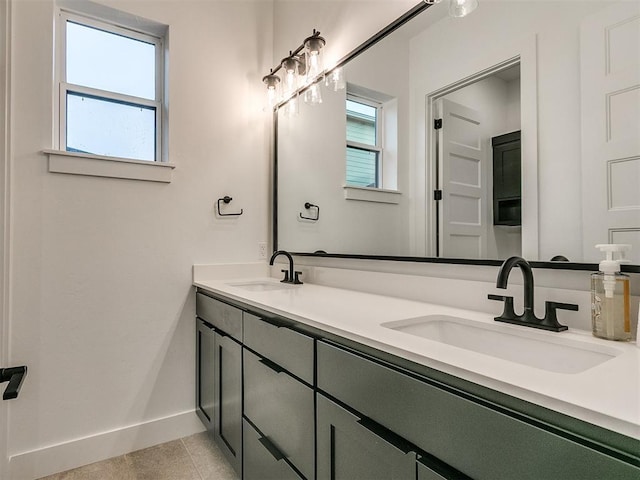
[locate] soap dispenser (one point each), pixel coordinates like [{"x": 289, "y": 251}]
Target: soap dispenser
[{"x": 610, "y": 296}]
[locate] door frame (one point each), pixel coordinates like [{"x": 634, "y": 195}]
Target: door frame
[
  {"x": 527, "y": 58},
  {"x": 5, "y": 196}
]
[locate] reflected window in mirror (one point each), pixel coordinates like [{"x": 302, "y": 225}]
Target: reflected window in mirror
[
  {"x": 371, "y": 139},
  {"x": 364, "y": 146}
]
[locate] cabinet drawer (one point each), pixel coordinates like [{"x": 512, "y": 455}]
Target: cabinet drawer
[
  {"x": 282, "y": 408},
  {"x": 261, "y": 460},
  {"x": 289, "y": 349},
  {"x": 220, "y": 315},
  {"x": 475, "y": 439},
  {"x": 350, "y": 449}
]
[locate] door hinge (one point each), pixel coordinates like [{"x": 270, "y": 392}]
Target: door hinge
[
  {"x": 437, "y": 123},
  {"x": 437, "y": 194}
]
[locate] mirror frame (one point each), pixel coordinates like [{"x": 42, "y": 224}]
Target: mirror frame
[{"x": 393, "y": 26}]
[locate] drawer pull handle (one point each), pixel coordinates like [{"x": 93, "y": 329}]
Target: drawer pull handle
[
  {"x": 15, "y": 376},
  {"x": 271, "y": 448},
  {"x": 276, "y": 322},
  {"x": 440, "y": 469},
  {"x": 206, "y": 324},
  {"x": 272, "y": 365},
  {"x": 386, "y": 435}
]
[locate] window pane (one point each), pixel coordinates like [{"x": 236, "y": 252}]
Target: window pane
[
  {"x": 361, "y": 123},
  {"x": 362, "y": 168},
  {"x": 105, "y": 127},
  {"x": 111, "y": 62}
]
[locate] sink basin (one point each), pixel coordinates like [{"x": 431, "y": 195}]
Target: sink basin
[
  {"x": 532, "y": 348},
  {"x": 261, "y": 286}
]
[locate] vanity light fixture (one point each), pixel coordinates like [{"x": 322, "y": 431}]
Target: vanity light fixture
[
  {"x": 304, "y": 67},
  {"x": 458, "y": 8},
  {"x": 272, "y": 82}
]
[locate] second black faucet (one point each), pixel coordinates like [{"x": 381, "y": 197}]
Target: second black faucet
[
  {"x": 289, "y": 276},
  {"x": 528, "y": 317}
]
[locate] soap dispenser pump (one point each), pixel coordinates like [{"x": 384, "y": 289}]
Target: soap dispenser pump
[{"x": 610, "y": 296}]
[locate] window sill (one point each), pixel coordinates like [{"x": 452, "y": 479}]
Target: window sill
[
  {"x": 367, "y": 194},
  {"x": 74, "y": 163}
]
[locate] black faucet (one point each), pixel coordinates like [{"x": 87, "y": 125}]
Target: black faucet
[
  {"x": 289, "y": 276},
  {"x": 528, "y": 317}
]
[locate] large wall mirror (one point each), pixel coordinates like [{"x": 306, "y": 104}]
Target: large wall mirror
[{"x": 512, "y": 131}]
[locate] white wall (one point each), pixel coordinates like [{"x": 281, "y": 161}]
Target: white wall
[{"x": 102, "y": 308}]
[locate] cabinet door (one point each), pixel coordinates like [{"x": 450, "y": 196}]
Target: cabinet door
[
  {"x": 205, "y": 367},
  {"x": 350, "y": 448},
  {"x": 228, "y": 404}
]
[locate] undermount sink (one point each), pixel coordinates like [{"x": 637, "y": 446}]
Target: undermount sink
[
  {"x": 261, "y": 285},
  {"x": 532, "y": 348}
]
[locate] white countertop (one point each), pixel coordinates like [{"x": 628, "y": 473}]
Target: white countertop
[{"x": 607, "y": 395}]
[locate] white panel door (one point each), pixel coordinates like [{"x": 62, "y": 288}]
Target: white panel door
[
  {"x": 610, "y": 97},
  {"x": 463, "y": 224}
]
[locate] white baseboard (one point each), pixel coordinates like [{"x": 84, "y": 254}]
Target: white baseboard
[{"x": 83, "y": 451}]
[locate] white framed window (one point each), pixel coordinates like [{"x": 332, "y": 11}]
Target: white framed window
[
  {"x": 110, "y": 82},
  {"x": 364, "y": 142}
]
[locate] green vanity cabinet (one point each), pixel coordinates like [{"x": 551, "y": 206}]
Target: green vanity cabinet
[
  {"x": 279, "y": 402},
  {"x": 482, "y": 440},
  {"x": 287, "y": 401},
  {"x": 219, "y": 374}
]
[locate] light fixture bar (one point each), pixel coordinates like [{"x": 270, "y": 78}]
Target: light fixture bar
[{"x": 293, "y": 53}]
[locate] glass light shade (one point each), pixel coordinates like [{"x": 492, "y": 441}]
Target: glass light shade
[
  {"x": 461, "y": 8},
  {"x": 273, "y": 89},
  {"x": 335, "y": 79},
  {"x": 432, "y": 2},
  {"x": 313, "y": 55},
  {"x": 312, "y": 95},
  {"x": 290, "y": 67},
  {"x": 292, "y": 107}
]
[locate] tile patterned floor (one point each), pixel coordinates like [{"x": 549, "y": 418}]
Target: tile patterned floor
[{"x": 191, "y": 458}]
